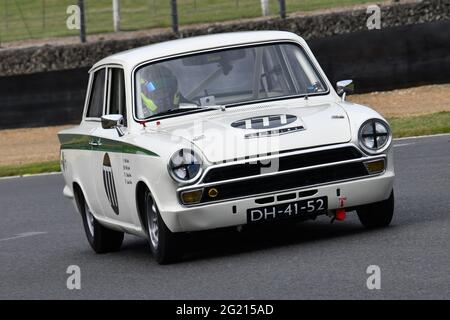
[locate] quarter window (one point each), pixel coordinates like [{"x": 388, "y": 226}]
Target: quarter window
[
  {"x": 96, "y": 101},
  {"x": 117, "y": 93}
]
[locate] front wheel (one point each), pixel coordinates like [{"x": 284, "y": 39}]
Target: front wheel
[
  {"x": 377, "y": 215},
  {"x": 164, "y": 244},
  {"x": 101, "y": 239}
]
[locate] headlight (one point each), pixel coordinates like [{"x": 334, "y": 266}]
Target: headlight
[
  {"x": 375, "y": 136},
  {"x": 185, "y": 166}
]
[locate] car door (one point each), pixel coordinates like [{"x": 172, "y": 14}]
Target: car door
[
  {"x": 110, "y": 165},
  {"x": 85, "y": 140}
]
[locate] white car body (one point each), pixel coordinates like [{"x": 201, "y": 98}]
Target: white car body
[{"x": 140, "y": 157}]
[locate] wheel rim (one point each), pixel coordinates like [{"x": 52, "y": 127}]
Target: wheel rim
[
  {"x": 89, "y": 218},
  {"x": 152, "y": 221}
]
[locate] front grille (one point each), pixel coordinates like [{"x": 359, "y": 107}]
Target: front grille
[
  {"x": 285, "y": 163},
  {"x": 286, "y": 181}
]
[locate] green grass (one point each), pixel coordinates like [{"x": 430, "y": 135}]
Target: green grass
[
  {"x": 434, "y": 123},
  {"x": 421, "y": 125},
  {"x": 32, "y": 168},
  {"x": 28, "y": 19}
]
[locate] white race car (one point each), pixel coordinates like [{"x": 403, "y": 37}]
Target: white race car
[{"x": 220, "y": 131}]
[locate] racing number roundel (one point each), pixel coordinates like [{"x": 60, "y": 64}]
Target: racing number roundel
[{"x": 108, "y": 181}]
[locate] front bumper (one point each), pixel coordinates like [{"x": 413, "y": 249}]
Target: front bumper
[{"x": 222, "y": 214}]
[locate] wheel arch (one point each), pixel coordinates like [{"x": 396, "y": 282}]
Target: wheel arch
[
  {"x": 169, "y": 219},
  {"x": 141, "y": 187},
  {"x": 78, "y": 195}
]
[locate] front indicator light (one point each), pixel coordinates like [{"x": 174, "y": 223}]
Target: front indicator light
[
  {"x": 191, "y": 197},
  {"x": 376, "y": 166},
  {"x": 213, "y": 192}
]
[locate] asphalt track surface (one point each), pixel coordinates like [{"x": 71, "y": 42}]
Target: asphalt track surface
[{"x": 41, "y": 235}]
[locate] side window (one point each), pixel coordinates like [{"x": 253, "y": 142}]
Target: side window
[
  {"x": 95, "y": 108},
  {"x": 117, "y": 93}
]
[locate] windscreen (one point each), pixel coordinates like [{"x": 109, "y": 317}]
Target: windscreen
[{"x": 224, "y": 77}]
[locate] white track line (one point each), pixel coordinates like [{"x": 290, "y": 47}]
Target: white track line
[
  {"x": 23, "y": 235},
  {"x": 421, "y": 137},
  {"x": 30, "y": 175},
  {"x": 40, "y": 174},
  {"x": 403, "y": 144}
]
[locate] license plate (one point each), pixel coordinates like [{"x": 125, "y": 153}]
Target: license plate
[{"x": 288, "y": 210}]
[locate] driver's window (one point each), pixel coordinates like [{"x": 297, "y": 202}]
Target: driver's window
[{"x": 116, "y": 95}]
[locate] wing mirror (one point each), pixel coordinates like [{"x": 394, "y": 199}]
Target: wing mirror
[
  {"x": 345, "y": 87},
  {"x": 113, "y": 121}
]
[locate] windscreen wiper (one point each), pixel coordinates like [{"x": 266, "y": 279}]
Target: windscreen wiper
[
  {"x": 214, "y": 107},
  {"x": 170, "y": 111},
  {"x": 177, "y": 110}
]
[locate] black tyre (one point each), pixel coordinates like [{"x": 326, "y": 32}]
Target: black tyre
[
  {"x": 165, "y": 245},
  {"x": 377, "y": 215},
  {"x": 101, "y": 239}
]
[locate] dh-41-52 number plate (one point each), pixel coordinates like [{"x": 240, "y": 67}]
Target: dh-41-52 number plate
[{"x": 288, "y": 210}]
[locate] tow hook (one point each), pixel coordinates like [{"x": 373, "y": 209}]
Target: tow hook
[{"x": 339, "y": 215}]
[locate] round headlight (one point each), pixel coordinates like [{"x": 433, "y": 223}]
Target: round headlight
[
  {"x": 374, "y": 135},
  {"x": 185, "y": 166}
]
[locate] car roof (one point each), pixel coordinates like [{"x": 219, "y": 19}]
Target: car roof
[{"x": 130, "y": 58}]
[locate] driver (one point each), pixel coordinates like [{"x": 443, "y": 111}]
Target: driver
[{"x": 159, "y": 89}]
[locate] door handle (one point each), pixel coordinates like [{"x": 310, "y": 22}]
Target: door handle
[{"x": 95, "y": 143}]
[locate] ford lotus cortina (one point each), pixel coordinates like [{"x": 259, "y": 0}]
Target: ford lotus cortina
[{"x": 221, "y": 131}]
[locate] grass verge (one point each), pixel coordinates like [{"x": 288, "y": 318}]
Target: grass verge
[
  {"x": 434, "y": 123},
  {"x": 31, "y": 168}
]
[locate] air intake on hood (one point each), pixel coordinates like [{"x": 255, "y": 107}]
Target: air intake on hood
[{"x": 264, "y": 122}]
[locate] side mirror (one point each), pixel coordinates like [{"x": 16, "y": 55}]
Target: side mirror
[
  {"x": 113, "y": 121},
  {"x": 345, "y": 87}
]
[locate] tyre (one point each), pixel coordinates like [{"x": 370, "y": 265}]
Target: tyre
[
  {"x": 101, "y": 239},
  {"x": 164, "y": 244},
  {"x": 377, "y": 215}
]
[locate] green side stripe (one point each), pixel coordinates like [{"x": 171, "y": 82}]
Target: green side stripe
[
  {"x": 75, "y": 141},
  {"x": 81, "y": 142}
]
